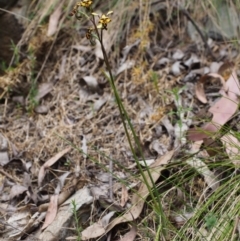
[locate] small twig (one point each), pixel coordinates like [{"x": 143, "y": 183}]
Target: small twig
[
  {"x": 7, "y": 175},
  {"x": 2, "y": 11},
  {"x": 111, "y": 179},
  {"x": 5, "y": 107}
]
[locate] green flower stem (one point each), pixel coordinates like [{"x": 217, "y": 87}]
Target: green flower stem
[{"x": 154, "y": 194}]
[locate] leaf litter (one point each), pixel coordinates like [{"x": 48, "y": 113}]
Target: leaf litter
[
  {"x": 137, "y": 200},
  {"x": 223, "y": 110},
  {"x": 76, "y": 108}
]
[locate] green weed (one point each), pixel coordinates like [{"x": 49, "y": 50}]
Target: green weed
[{"x": 75, "y": 215}]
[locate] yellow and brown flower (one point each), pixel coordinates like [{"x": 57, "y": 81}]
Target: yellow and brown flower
[
  {"x": 86, "y": 3},
  {"x": 104, "y": 21}
]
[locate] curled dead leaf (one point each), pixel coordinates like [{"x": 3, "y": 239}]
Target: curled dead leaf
[
  {"x": 52, "y": 211},
  {"x": 49, "y": 163},
  {"x": 199, "y": 91},
  {"x": 199, "y": 88},
  {"x": 54, "y": 20},
  {"x": 43, "y": 90},
  {"x": 231, "y": 144},
  {"x": 17, "y": 190},
  {"x": 124, "y": 197},
  {"x": 91, "y": 82},
  {"x": 203, "y": 169},
  {"x": 226, "y": 70}
]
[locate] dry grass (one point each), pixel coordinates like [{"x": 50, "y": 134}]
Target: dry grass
[{"x": 64, "y": 59}]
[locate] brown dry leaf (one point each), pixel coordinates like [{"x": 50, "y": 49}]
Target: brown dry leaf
[
  {"x": 17, "y": 190},
  {"x": 199, "y": 91},
  {"x": 97, "y": 229},
  {"x": 99, "y": 104},
  {"x": 100, "y": 191},
  {"x": 54, "y": 19},
  {"x": 72, "y": 238},
  {"x": 225, "y": 108},
  {"x": 147, "y": 163},
  {"x": 127, "y": 65},
  {"x": 29, "y": 224},
  {"x": 61, "y": 179},
  {"x": 199, "y": 88},
  {"x": 222, "y": 110},
  {"x": 52, "y": 211},
  {"x": 178, "y": 55},
  {"x": 176, "y": 68},
  {"x": 2, "y": 182},
  {"x": 4, "y": 158},
  {"x": 41, "y": 109},
  {"x": 106, "y": 219},
  {"x": 131, "y": 235},
  {"x": 43, "y": 90},
  {"x": 93, "y": 231},
  {"x": 203, "y": 170},
  {"x": 49, "y": 163},
  {"x": 226, "y": 69},
  {"x": 214, "y": 67},
  {"x": 91, "y": 82},
  {"x": 138, "y": 198},
  {"x": 232, "y": 144},
  {"x": 201, "y": 167},
  {"x": 196, "y": 146},
  {"x": 124, "y": 197},
  {"x": 193, "y": 60},
  {"x": 233, "y": 85},
  {"x": 16, "y": 225},
  {"x": 63, "y": 196},
  {"x": 45, "y": 9},
  {"x": 84, "y": 146},
  {"x": 181, "y": 219},
  {"x": 64, "y": 216},
  {"x": 197, "y": 134}
]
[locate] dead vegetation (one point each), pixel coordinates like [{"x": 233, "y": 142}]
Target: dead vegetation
[{"x": 66, "y": 166}]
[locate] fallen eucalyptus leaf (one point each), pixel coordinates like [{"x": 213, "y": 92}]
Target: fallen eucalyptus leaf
[{"x": 49, "y": 163}]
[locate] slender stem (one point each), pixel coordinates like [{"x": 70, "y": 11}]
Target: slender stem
[
  {"x": 124, "y": 114},
  {"x": 101, "y": 37},
  {"x": 154, "y": 194}
]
